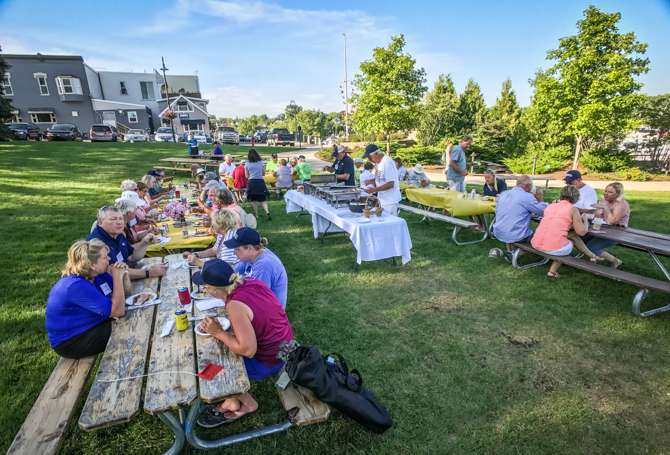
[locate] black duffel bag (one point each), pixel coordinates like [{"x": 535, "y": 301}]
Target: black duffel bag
[{"x": 332, "y": 384}]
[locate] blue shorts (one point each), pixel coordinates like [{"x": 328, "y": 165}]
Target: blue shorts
[{"x": 257, "y": 370}]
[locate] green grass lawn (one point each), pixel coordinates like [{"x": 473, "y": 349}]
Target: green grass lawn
[{"x": 468, "y": 354}]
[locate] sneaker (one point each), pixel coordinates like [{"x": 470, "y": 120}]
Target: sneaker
[
  {"x": 208, "y": 418},
  {"x": 508, "y": 257}
]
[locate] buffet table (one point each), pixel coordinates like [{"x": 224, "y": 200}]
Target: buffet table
[{"x": 380, "y": 238}]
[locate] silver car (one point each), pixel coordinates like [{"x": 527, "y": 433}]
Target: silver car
[
  {"x": 104, "y": 133},
  {"x": 227, "y": 135},
  {"x": 164, "y": 134},
  {"x": 136, "y": 136}
]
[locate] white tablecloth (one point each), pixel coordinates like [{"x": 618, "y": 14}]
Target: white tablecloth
[{"x": 384, "y": 237}]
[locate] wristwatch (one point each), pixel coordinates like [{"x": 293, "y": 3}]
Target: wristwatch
[
  {"x": 196, "y": 255},
  {"x": 146, "y": 271}
]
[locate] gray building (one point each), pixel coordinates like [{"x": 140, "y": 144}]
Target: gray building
[
  {"x": 191, "y": 113},
  {"x": 48, "y": 89}
]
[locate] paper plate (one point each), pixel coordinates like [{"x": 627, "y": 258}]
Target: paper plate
[
  {"x": 129, "y": 300},
  {"x": 364, "y": 220},
  {"x": 193, "y": 296},
  {"x": 225, "y": 323}
]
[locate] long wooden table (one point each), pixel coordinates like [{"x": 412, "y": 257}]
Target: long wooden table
[
  {"x": 172, "y": 363},
  {"x": 178, "y": 163}
]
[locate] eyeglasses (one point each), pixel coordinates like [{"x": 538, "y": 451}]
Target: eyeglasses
[{"x": 488, "y": 171}]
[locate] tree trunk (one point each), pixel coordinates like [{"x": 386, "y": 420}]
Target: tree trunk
[
  {"x": 578, "y": 150},
  {"x": 388, "y": 144}
]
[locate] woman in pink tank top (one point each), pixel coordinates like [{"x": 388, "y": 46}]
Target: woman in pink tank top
[
  {"x": 561, "y": 228},
  {"x": 259, "y": 323}
]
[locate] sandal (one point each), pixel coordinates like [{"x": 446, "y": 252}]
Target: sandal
[
  {"x": 596, "y": 259},
  {"x": 553, "y": 275},
  {"x": 615, "y": 265},
  {"x": 269, "y": 217},
  {"x": 209, "y": 418}
]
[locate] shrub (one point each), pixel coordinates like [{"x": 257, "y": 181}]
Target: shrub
[
  {"x": 549, "y": 160},
  {"x": 397, "y": 136},
  {"x": 634, "y": 174},
  {"x": 353, "y": 138},
  {"x": 606, "y": 160},
  {"x": 419, "y": 154},
  {"x": 394, "y": 147}
]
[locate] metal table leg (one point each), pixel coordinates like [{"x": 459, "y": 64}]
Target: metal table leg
[
  {"x": 173, "y": 424},
  {"x": 458, "y": 228},
  {"x": 660, "y": 265},
  {"x": 201, "y": 444},
  {"x": 515, "y": 260}
]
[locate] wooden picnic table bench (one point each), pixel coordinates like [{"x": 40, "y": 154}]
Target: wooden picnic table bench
[
  {"x": 534, "y": 177},
  {"x": 457, "y": 222},
  {"x": 117, "y": 392},
  {"x": 184, "y": 164},
  {"x": 644, "y": 283}
]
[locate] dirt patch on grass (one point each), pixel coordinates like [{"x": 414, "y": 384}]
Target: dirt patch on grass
[{"x": 519, "y": 340}]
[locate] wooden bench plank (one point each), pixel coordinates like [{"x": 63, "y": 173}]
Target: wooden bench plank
[
  {"x": 173, "y": 168},
  {"x": 310, "y": 410},
  {"x": 601, "y": 270},
  {"x": 43, "y": 430},
  {"x": 437, "y": 216},
  {"x": 175, "y": 352},
  {"x": 110, "y": 403},
  {"x": 233, "y": 379}
]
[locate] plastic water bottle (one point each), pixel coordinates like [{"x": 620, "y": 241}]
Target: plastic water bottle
[{"x": 473, "y": 194}]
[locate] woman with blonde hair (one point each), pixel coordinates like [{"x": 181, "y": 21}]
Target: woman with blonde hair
[
  {"x": 259, "y": 325},
  {"x": 615, "y": 211},
  {"x": 224, "y": 224},
  {"x": 493, "y": 186},
  {"x": 561, "y": 228},
  {"x": 152, "y": 196},
  {"x": 81, "y": 304},
  {"x": 283, "y": 173}
]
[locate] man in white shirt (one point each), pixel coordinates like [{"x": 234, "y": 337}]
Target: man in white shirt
[
  {"x": 587, "y": 195},
  {"x": 227, "y": 167},
  {"x": 386, "y": 183}
]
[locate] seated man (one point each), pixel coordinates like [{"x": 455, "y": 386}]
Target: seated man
[
  {"x": 415, "y": 176},
  {"x": 513, "y": 213},
  {"x": 209, "y": 181},
  {"x": 226, "y": 168},
  {"x": 271, "y": 166},
  {"x": 159, "y": 174},
  {"x": 110, "y": 230},
  {"x": 217, "y": 152},
  {"x": 240, "y": 180},
  {"x": 303, "y": 169}
]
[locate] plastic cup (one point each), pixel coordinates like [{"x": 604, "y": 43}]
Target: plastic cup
[{"x": 597, "y": 223}]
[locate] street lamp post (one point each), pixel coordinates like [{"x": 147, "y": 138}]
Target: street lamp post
[
  {"x": 295, "y": 116},
  {"x": 167, "y": 96}
]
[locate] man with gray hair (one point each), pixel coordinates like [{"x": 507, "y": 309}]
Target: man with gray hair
[
  {"x": 455, "y": 170},
  {"x": 227, "y": 167},
  {"x": 385, "y": 183},
  {"x": 513, "y": 212},
  {"x": 110, "y": 230}
]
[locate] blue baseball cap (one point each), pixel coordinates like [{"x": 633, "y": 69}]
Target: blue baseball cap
[
  {"x": 215, "y": 272},
  {"x": 243, "y": 236},
  {"x": 571, "y": 176},
  {"x": 370, "y": 149}
]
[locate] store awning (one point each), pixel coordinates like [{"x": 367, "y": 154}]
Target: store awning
[
  {"x": 41, "y": 110},
  {"x": 192, "y": 122}
]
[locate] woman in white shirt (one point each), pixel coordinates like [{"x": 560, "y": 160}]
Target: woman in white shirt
[
  {"x": 367, "y": 175},
  {"x": 224, "y": 224}
]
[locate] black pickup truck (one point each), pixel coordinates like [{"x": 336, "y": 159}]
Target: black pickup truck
[{"x": 280, "y": 136}]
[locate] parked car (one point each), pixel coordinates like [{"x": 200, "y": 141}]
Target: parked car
[
  {"x": 136, "y": 135},
  {"x": 25, "y": 131},
  {"x": 249, "y": 137},
  {"x": 64, "y": 132},
  {"x": 164, "y": 134},
  {"x": 243, "y": 138},
  {"x": 280, "y": 136},
  {"x": 261, "y": 136},
  {"x": 227, "y": 135},
  {"x": 104, "y": 133},
  {"x": 198, "y": 135}
]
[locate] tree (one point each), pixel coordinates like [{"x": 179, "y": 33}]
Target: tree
[
  {"x": 502, "y": 119},
  {"x": 438, "y": 113},
  {"x": 212, "y": 122},
  {"x": 388, "y": 92},
  {"x": 471, "y": 110},
  {"x": 313, "y": 123},
  {"x": 5, "y": 105},
  {"x": 291, "y": 115},
  {"x": 591, "y": 90},
  {"x": 655, "y": 112}
]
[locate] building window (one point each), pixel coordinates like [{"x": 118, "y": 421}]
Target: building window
[
  {"x": 16, "y": 117},
  {"x": 6, "y": 85},
  {"x": 75, "y": 113},
  {"x": 193, "y": 127},
  {"x": 124, "y": 90},
  {"x": 132, "y": 116},
  {"x": 147, "y": 89},
  {"x": 68, "y": 85},
  {"x": 184, "y": 107},
  {"x": 202, "y": 106},
  {"x": 43, "y": 118}
]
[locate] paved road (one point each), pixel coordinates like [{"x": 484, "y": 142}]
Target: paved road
[{"x": 318, "y": 164}]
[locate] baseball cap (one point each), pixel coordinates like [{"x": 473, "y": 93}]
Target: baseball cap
[
  {"x": 209, "y": 175},
  {"x": 301, "y": 157},
  {"x": 243, "y": 236},
  {"x": 215, "y": 272},
  {"x": 370, "y": 149},
  {"x": 339, "y": 149},
  {"x": 571, "y": 176},
  {"x": 358, "y": 160},
  {"x": 132, "y": 196}
]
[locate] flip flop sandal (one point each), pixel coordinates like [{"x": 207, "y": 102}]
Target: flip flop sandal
[
  {"x": 553, "y": 275},
  {"x": 209, "y": 418}
]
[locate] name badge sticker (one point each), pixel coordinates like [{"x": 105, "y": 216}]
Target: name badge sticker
[
  {"x": 119, "y": 257},
  {"x": 132, "y": 222},
  {"x": 105, "y": 289}
]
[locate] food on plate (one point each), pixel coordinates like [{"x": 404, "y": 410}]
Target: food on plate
[
  {"x": 142, "y": 298},
  {"x": 202, "y": 295},
  {"x": 200, "y": 232},
  {"x": 197, "y": 223}
]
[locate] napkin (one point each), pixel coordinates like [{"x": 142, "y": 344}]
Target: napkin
[
  {"x": 163, "y": 239},
  {"x": 210, "y": 371},
  {"x": 180, "y": 265},
  {"x": 167, "y": 328},
  {"x": 208, "y": 304}
]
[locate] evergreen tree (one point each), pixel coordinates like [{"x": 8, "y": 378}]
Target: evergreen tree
[
  {"x": 438, "y": 113},
  {"x": 471, "y": 111},
  {"x": 5, "y": 105},
  {"x": 502, "y": 119}
]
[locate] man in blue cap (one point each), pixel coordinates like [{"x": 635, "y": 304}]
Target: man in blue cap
[
  {"x": 343, "y": 167},
  {"x": 386, "y": 183},
  {"x": 587, "y": 195},
  {"x": 258, "y": 262}
]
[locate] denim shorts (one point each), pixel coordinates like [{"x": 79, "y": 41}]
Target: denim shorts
[{"x": 257, "y": 370}]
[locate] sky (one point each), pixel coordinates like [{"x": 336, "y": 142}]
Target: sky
[{"x": 254, "y": 57}]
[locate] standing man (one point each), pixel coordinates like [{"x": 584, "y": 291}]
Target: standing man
[
  {"x": 386, "y": 183},
  {"x": 304, "y": 170},
  {"x": 358, "y": 165},
  {"x": 343, "y": 167},
  {"x": 456, "y": 166},
  {"x": 587, "y": 195},
  {"x": 227, "y": 167}
]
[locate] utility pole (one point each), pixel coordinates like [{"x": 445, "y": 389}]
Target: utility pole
[
  {"x": 167, "y": 96},
  {"x": 346, "y": 93}
]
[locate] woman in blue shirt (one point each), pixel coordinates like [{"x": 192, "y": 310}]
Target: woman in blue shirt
[
  {"x": 193, "y": 146},
  {"x": 81, "y": 304},
  {"x": 493, "y": 186}
]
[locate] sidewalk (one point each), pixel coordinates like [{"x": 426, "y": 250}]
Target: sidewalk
[{"x": 318, "y": 164}]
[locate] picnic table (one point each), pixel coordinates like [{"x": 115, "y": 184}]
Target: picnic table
[
  {"x": 272, "y": 180},
  {"x": 184, "y": 164},
  {"x": 381, "y": 238},
  {"x": 177, "y": 242},
  {"x": 450, "y": 201}
]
